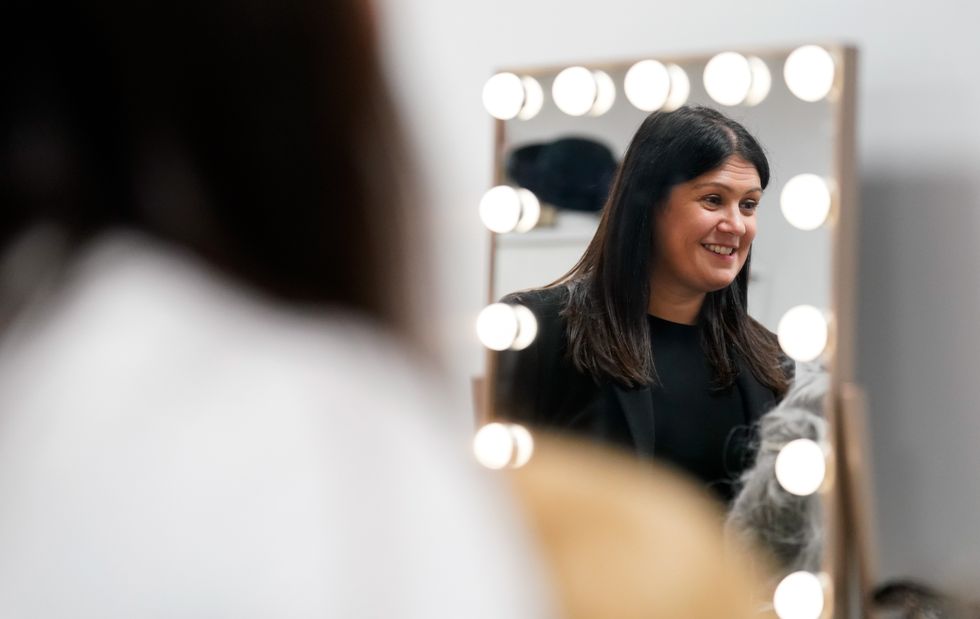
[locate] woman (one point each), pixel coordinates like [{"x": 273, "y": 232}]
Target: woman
[
  {"x": 646, "y": 342},
  {"x": 207, "y": 408}
]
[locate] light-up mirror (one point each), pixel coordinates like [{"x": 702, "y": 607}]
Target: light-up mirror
[
  {"x": 560, "y": 164},
  {"x": 790, "y": 265}
]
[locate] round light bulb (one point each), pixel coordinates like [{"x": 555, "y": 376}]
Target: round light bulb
[
  {"x": 728, "y": 78},
  {"x": 503, "y": 96},
  {"x": 574, "y": 91},
  {"x": 530, "y": 211},
  {"x": 680, "y": 88},
  {"x": 493, "y": 445},
  {"x": 527, "y": 327},
  {"x": 809, "y": 72},
  {"x": 500, "y": 209},
  {"x": 799, "y": 596},
  {"x": 523, "y": 445},
  {"x": 805, "y": 201},
  {"x": 533, "y": 98},
  {"x": 801, "y": 467},
  {"x": 497, "y": 326},
  {"x": 647, "y": 85},
  {"x": 605, "y": 93},
  {"x": 802, "y": 333},
  {"x": 761, "y": 81}
]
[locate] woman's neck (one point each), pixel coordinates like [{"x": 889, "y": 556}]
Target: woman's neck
[{"x": 669, "y": 305}]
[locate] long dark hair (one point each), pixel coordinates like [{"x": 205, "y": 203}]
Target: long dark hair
[
  {"x": 609, "y": 287},
  {"x": 257, "y": 135}
]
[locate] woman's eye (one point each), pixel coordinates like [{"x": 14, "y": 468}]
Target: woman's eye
[
  {"x": 713, "y": 200},
  {"x": 750, "y": 206}
]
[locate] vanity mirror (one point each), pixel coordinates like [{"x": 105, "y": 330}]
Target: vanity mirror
[{"x": 562, "y": 134}]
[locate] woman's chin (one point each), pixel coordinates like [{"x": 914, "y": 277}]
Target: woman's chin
[{"x": 719, "y": 284}]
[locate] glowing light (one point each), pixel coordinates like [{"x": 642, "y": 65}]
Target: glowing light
[
  {"x": 805, "y": 201},
  {"x": 647, "y": 85},
  {"x": 680, "y": 88},
  {"x": 500, "y": 445},
  {"x": 761, "y": 81},
  {"x": 801, "y": 467},
  {"x": 503, "y": 96},
  {"x": 500, "y": 209},
  {"x": 809, "y": 72},
  {"x": 799, "y": 596},
  {"x": 493, "y": 446},
  {"x": 802, "y": 333},
  {"x": 574, "y": 91},
  {"x": 501, "y": 326},
  {"x": 605, "y": 93},
  {"x": 527, "y": 327},
  {"x": 530, "y": 211},
  {"x": 533, "y": 98},
  {"x": 497, "y": 326},
  {"x": 728, "y": 78},
  {"x": 523, "y": 445}
]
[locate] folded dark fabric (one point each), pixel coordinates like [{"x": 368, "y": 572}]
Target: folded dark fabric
[{"x": 571, "y": 173}]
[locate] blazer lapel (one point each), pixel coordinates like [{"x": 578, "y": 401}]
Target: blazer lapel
[{"x": 638, "y": 409}]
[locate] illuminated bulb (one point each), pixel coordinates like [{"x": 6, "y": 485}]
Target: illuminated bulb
[
  {"x": 805, "y": 201},
  {"x": 809, "y": 72},
  {"x": 802, "y": 333},
  {"x": 574, "y": 91},
  {"x": 799, "y": 596},
  {"x": 680, "y": 88},
  {"x": 499, "y": 445},
  {"x": 501, "y": 326},
  {"x": 497, "y": 326},
  {"x": 533, "y": 98},
  {"x": 530, "y": 211},
  {"x": 728, "y": 78},
  {"x": 527, "y": 327},
  {"x": 761, "y": 81},
  {"x": 500, "y": 209},
  {"x": 605, "y": 93},
  {"x": 503, "y": 96},
  {"x": 647, "y": 85},
  {"x": 493, "y": 445},
  {"x": 523, "y": 445},
  {"x": 801, "y": 467}
]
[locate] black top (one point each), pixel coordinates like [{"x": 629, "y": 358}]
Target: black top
[
  {"x": 699, "y": 429},
  {"x": 541, "y": 387}
]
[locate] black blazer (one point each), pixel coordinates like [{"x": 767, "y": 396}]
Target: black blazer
[{"x": 540, "y": 386}]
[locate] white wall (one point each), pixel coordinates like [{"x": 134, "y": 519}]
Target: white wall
[{"x": 919, "y": 151}]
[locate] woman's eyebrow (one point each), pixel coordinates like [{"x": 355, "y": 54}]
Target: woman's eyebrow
[{"x": 727, "y": 188}]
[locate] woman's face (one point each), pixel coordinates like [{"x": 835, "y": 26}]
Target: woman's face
[{"x": 704, "y": 233}]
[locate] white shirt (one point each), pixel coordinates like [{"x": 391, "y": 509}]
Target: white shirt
[{"x": 172, "y": 445}]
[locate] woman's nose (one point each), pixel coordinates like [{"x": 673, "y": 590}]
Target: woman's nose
[{"x": 732, "y": 222}]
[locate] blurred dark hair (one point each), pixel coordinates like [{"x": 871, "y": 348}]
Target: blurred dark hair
[
  {"x": 257, "y": 134},
  {"x": 610, "y": 285}
]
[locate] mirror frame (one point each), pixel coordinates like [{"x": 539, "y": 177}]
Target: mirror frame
[{"x": 846, "y": 497}]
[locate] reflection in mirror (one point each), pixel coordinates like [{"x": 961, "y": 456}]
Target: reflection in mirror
[
  {"x": 562, "y": 160},
  {"x": 679, "y": 268}
]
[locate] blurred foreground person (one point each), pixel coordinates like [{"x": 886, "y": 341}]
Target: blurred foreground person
[
  {"x": 633, "y": 541},
  {"x": 207, "y": 405}
]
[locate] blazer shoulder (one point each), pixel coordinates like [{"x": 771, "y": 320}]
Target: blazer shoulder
[
  {"x": 546, "y": 304},
  {"x": 551, "y": 299}
]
